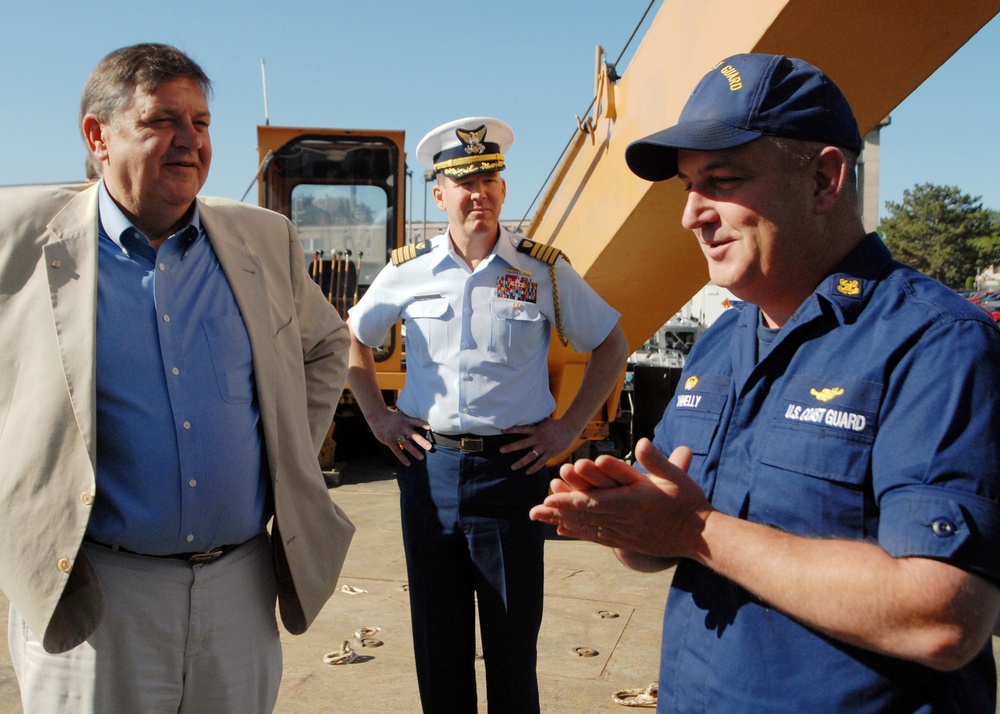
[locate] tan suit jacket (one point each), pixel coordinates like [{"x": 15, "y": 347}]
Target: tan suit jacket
[{"x": 48, "y": 299}]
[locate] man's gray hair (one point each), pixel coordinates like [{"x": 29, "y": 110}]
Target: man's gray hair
[{"x": 798, "y": 153}]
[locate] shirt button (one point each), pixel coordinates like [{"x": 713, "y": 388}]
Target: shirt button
[
  {"x": 56, "y": 264},
  {"x": 190, "y": 538},
  {"x": 186, "y": 425},
  {"x": 87, "y": 498},
  {"x": 162, "y": 266},
  {"x": 166, "y": 318},
  {"x": 943, "y": 528},
  {"x": 192, "y": 483},
  {"x": 175, "y": 371},
  {"x": 65, "y": 565},
  {"x": 467, "y": 377}
]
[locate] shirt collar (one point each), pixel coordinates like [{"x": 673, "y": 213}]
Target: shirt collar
[
  {"x": 850, "y": 284},
  {"x": 506, "y": 248},
  {"x": 116, "y": 226},
  {"x": 449, "y": 249},
  {"x": 847, "y": 288}
]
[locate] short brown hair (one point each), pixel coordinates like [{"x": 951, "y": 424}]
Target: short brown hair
[{"x": 111, "y": 86}]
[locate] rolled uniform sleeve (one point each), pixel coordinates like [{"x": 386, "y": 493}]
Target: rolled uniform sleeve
[{"x": 936, "y": 465}]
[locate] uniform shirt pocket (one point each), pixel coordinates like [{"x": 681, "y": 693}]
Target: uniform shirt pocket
[
  {"x": 431, "y": 316},
  {"x": 516, "y": 329},
  {"x": 819, "y": 450},
  {"x": 695, "y": 411},
  {"x": 825, "y": 430}
]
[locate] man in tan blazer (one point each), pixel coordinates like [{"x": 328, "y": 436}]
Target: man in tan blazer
[{"x": 139, "y": 552}]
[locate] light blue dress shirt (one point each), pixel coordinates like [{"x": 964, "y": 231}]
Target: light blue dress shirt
[
  {"x": 477, "y": 341},
  {"x": 179, "y": 447}
]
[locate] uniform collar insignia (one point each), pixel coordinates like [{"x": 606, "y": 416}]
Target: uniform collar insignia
[{"x": 849, "y": 287}]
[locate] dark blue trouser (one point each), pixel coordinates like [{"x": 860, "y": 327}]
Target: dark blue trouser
[{"x": 468, "y": 539}]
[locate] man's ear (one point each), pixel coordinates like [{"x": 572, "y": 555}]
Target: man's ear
[
  {"x": 93, "y": 134},
  {"x": 830, "y": 174},
  {"x": 438, "y": 194}
]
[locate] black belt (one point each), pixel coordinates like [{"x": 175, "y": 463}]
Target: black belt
[
  {"x": 209, "y": 556},
  {"x": 474, "y": 443}
]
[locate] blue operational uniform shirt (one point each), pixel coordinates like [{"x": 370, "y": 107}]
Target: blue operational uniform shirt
[
  {"x": 179, "y": 447},
  {"x": 477, "y": 341},
  {"x": 873, "y": 416}
]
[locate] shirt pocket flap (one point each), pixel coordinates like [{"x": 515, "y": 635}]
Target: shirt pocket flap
[
  {"x": 825, "y": 430},
  {"x": 695, "y": 411},
  {"x": 432, "y": 307}
]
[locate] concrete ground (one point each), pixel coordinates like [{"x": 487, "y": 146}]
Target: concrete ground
[{"x": 600, "y": 632}]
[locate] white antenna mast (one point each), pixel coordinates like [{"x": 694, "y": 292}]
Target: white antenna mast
[{"x": 263, "y": 79}]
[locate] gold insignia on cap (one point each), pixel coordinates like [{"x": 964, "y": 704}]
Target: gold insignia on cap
[
  {"x": 827, "y": 393},
  {"x": 456, "y": 168},
  {"x": 849, "y": 287},
  {"x": 691, "y": 382},
  {"x": 472, "y": 139}
]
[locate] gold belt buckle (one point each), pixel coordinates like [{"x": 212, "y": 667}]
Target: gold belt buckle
[
  {"x": 471, "y": 443},
  {"x": 207, "y": 557}
]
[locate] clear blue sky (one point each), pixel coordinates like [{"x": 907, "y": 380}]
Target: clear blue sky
[{"x": 413, "y": 65}]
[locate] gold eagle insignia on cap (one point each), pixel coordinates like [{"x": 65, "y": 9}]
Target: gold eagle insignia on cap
[{"x": 472, "y": 140}]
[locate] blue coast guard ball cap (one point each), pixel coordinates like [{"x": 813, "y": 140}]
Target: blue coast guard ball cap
[{"x": 745, "y": 97}]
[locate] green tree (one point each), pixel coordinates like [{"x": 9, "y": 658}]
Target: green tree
[
  {"x": 989, "y": 245},
  {"x": 942, "y": 232}
]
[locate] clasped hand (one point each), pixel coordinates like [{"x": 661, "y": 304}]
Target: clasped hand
[{"x": 607, "y": 501}]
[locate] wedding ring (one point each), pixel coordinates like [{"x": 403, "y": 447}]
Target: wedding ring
[{"x": 537, "y": 455}]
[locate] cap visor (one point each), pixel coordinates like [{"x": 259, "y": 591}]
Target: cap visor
[{"x": 654, "y": 158}]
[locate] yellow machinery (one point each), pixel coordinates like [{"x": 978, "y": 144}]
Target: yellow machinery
[
  {"x": 343, "y": 190},
  {"x": 622, "y": 233}
]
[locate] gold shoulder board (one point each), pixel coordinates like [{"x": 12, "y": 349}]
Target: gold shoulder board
[
  {"x": 545, "y": 253},
  {"x": 409, "y": 252}
]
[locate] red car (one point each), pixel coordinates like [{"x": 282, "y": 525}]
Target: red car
[{"x": 978, "y": 298}]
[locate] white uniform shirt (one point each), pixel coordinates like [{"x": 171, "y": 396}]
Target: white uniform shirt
[{"x": 477, "y": 341}]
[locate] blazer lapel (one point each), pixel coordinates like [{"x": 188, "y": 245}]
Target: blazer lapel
[
  {"x": 70, "y": 257},
  {"x": 246, "y": 278}
]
